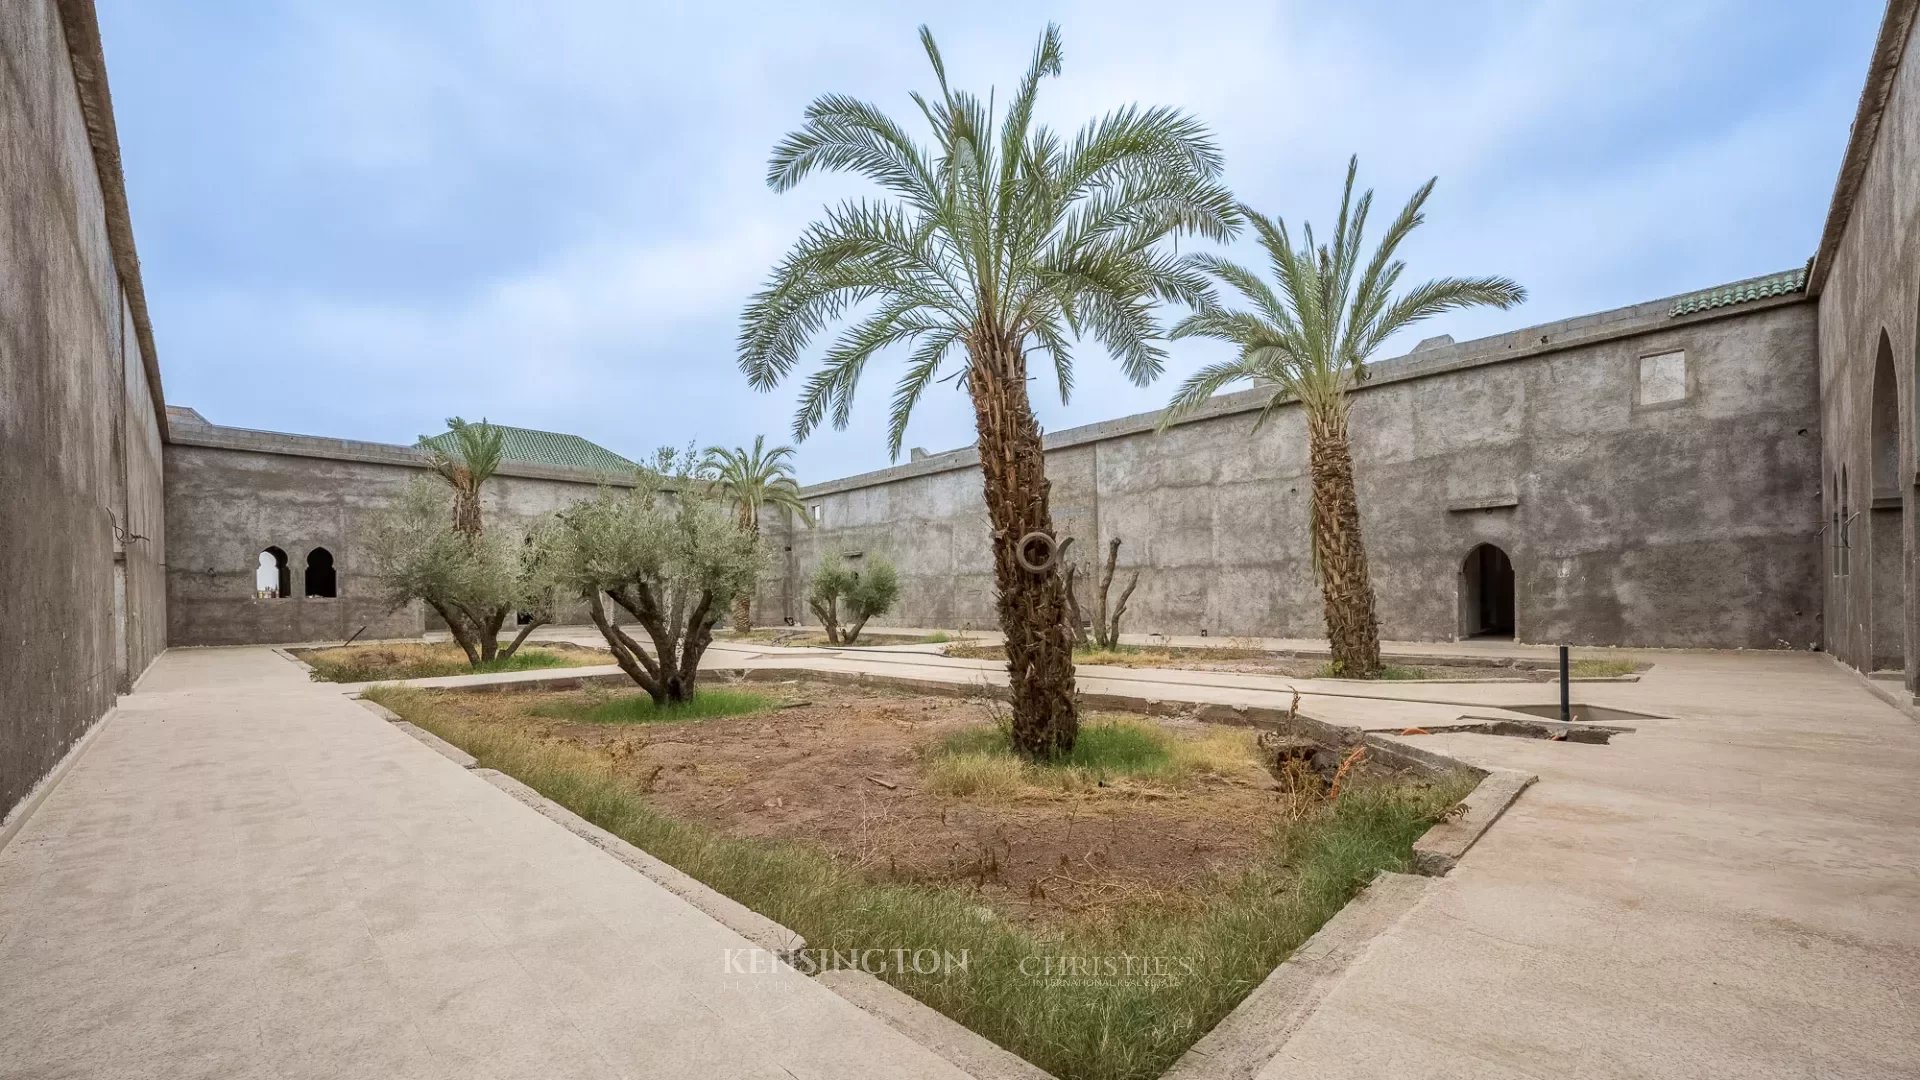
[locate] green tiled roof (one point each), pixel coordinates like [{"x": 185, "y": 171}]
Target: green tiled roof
[
  {"x": 1740, "y": 292},
  {"x": 532, "y": 447}
]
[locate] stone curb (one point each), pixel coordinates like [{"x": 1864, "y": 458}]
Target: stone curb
[
  {"x": 728, "y": 912},
  {"x": 446, "y": 749},
  {"x": 1242, "y": 1044},
  {"x": 284, "y": 654},
  {"x": 1440, "y": 849},
  {"x": 1895, "y": 695},
  {"x": 968, "y": 1050},
  {"x": 440, "y": 746}
]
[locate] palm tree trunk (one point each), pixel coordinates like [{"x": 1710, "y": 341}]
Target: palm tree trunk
[
  {"x": 1032, "y": 607},
  {"x": 1345, "y": 584},
  {"x": 466, "y": 511},
  {"x": 743, "y": 604}
]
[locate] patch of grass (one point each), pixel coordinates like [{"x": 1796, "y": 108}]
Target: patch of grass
[
  {"x": 978, "y": 775},
  {"x": 1083, "y": 1028},
  {"x": 368, "y": 663},
  {"x": 981, "y": 761},
  {"x": 1601, "y": 669},
  {"x": 1387, "y": 673},
  {"x": 638, "y": 708},
  {"x": 1122, "y": 656}
]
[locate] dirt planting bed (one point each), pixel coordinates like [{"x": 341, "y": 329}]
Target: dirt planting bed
[
  {"x": 859, "y": 771},
  {"x": 866, "y": 818}
]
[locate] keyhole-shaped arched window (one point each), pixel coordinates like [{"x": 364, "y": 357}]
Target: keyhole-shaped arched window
[{"x": 320, "y": 577}]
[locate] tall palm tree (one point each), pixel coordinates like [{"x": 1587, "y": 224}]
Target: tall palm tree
[
  {"x": 998, "y": 245},
  {"x": 466, "y": 457},
  {"x": 753, "y": 479},
  {"x": 1310, "y": 341}
]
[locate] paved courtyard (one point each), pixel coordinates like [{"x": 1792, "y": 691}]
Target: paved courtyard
[{"x": 250, "y": 874}]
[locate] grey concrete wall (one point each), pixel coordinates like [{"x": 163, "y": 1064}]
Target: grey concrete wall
[
  {"x": 1689, "y": 523},
  {"x": 81, "y": 533},
  {"x": 142, "y": 540},
  {"x": 1870, "y": 300},
  {"x": 231, "y": 493}
]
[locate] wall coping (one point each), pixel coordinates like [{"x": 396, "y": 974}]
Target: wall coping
[
  {"x": 1545, "y": 339},
  {"x": 1882, "y": 69},
  {"x": 80, "y": 26},
  {"x": 249, "y": 440}
]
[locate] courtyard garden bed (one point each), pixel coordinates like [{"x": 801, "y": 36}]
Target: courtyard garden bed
[
  {"x": 870, "y": 818},
  {"x": 1248, "y": 660},
  {"x": 385, "y": 661},
  {"x": 805, "y": 637}
]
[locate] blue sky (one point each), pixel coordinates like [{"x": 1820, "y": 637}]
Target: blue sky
[{"x": 359, "y": 217}]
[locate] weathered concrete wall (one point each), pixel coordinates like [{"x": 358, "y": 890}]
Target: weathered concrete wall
[
  {"x": 81, "y": 535},
  {"x": 231, "y": 493},
  {"x": 1633, "y": 522},
  {"x": 1869, "y": 275},
  {"x": 142, "y": 541}
]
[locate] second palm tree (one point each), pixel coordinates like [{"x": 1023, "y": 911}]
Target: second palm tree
[
  {"x": 1308, "y": 337},
  {"x": 753, "y": 479}
]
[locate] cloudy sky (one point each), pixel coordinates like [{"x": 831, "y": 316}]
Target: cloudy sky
[{"x": 357, "y": 217}]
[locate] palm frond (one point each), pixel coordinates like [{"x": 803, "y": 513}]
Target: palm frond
[
  {"x": 996, "y": 230},
  {"x": 1204, "y": 384},
  {"x": 921, "y": 371},
  {"x": 1311, "y": 331}
]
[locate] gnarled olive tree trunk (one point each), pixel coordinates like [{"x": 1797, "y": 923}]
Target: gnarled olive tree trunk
[
  {"x": 1346, "y": 586},
  {"x": 1032, "y": 606},
  {"x": 478, "y": 632},
  {"x": 680, "y": 638}
]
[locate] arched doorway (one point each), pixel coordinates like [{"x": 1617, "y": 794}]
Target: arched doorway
[
  {"x": 320, "y": 573},
  {"x": 1486, "y": 594},
  {"x": 1885, "y": 545},
  {"x": 270, "y": 578}
]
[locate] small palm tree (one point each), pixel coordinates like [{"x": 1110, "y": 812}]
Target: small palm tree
[
  {"x": 466, "y": 457},
  {"x": 1310, "y": 341},
  {"x": 753, "y": 479},
  {"x": 1002, "y": 242}
]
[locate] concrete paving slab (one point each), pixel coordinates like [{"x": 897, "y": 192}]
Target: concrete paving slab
[
  {"x": 249, "y": 874},
  {"x": 1726, "y": 891}
]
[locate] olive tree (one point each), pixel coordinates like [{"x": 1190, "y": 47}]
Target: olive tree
[
  {"x": 672, "y": 555},
  {"x": 866, "y": 593},
  {"x": 417, "y": 551}
]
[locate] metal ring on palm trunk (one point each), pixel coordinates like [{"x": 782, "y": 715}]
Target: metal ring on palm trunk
[{"x": 1036, "y": 552}]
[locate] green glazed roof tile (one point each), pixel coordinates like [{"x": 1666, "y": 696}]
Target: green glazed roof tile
[
  {"x": 532, "y": 447},
  {"x": 1740, "y": 292}
]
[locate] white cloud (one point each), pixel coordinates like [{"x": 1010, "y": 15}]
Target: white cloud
[{"x": 592, "y": 171}]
